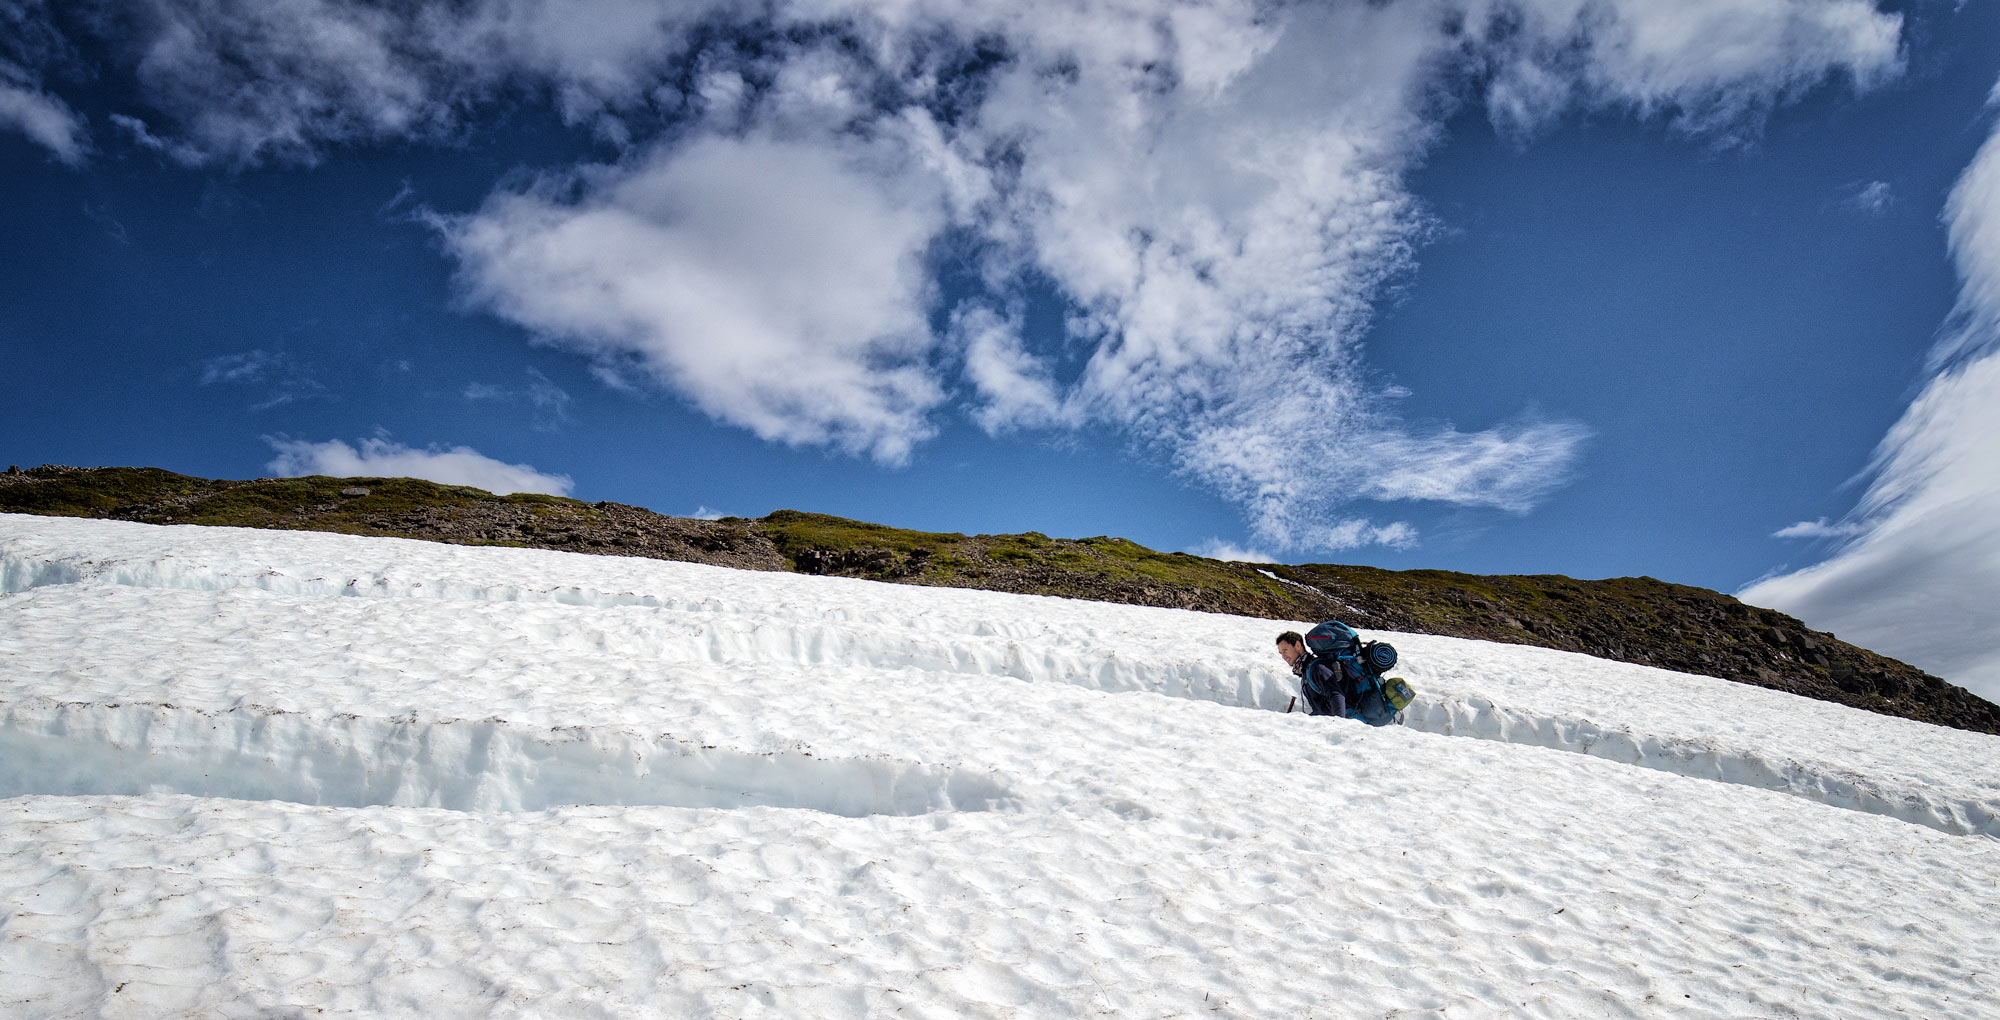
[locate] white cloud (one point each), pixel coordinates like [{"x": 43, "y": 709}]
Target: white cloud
[
  {"x": 1356, "y": 533},
  {"x": 1972, "y": 214},
  {"x": 46, "y": 120},
  {"x": 708, "y": 513},
  {"x": 30, "y": 43},
  {"x": 250, "y": 81},
  {"x": 1711, "y": 66},
  {"x": 1217, "y": 549},
  {"x": 1820, "y": 529},
  {"x": 459, "y": 465},
  {"x": 594, "y": 55},
  {"x": 180, "y": 152},
  {"x": 1922, "y": 582},
  {"x": 1217, "y": 188},
  {"x": 1338, "y": 536},
  {"x": 1921, "y": 579},
  {"x": 779, "y": 284},
  {"x": 1014, "y": 389}
]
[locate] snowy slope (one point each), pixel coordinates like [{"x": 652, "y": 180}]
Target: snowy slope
[{"x": 256, "y": 773}]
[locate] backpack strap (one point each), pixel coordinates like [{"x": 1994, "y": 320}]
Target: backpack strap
[
  {"x": 1316, "y": 694},
  {"x": 1306, "y": 673}
]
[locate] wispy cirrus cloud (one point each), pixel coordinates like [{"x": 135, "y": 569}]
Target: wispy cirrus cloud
[
  {"x": 548, "y": 403},
  {"x": 279, "y": 376},
  {"x": 1215, "y": 188},
  {"x": 383, "y": 457},
  {"x": 1870, "y": 198},
  {"x": 1918, "y": 573}
]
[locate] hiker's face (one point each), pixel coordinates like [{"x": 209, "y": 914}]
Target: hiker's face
[{"x": 1290, "y": 652}]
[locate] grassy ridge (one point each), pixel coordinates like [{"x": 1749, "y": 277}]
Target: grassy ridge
[
  {"x": 312, "y": 503},
  {"x": 1030, "y": 562},
  {"x": 1638, "y": 620}
]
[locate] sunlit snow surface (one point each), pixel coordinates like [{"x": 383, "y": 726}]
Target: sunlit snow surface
[{"x": 271, "y": 774}]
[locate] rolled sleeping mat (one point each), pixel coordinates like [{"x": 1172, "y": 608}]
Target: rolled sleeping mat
[{"x": 1381, "y": 655}]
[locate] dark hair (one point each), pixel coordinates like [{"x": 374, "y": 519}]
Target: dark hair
[{"x": 1291, "y": 637}]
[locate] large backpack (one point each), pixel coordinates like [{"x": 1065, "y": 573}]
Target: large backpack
[{"x": 1360, "y": 666}]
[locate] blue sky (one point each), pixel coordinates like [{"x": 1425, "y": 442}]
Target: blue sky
[{"x": 1592, "y": 287}]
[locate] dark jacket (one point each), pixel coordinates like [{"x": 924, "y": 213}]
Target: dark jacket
[{"x": 1320, "y": 680}]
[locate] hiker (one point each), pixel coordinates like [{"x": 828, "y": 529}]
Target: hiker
[
  {"x": 1330, "y": 689},
  {"x": 1317, "y": 678}
]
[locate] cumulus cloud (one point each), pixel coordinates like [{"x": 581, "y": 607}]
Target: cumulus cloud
[
  {"x": 1714, "y": 67},
  {"x": 46, "y": 120},
  {"x": 1820, "y": 529},
  {"x": 778, "y": 283},
  {"x": 1013, "y": 389},
  {"x": 379, "y": 457},
  {"x": 1920, "y": 577},
  {"x": 29, "y": 41},
  {"x": 249, "y": 81},
  {"x": 1216, "y": 188}
]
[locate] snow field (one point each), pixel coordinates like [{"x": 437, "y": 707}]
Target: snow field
[
  {"x": 663, "y": 615},
  {"x": 1000, "y": 817}
]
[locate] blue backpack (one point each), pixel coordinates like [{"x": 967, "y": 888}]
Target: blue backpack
[{"x": 1359, "y": 666}]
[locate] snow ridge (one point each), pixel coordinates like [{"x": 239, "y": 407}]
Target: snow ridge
[
  {"x": 1841, "y": 788},
  {"x": 256, "y": 753}
]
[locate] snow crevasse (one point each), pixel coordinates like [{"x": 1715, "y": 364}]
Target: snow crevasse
[{"x": 254, "y": 753}]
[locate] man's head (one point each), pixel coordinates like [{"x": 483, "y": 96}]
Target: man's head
[{"x": 1291, "y": 647}]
